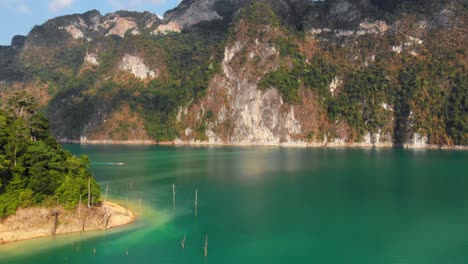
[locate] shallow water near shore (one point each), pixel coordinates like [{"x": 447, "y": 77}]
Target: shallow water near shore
[{"x": 272, "y": 205}]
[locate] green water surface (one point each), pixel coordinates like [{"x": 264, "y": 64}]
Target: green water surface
[{"x": 273, "y": 205}]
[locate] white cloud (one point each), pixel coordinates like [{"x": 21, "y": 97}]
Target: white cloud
[
  {"x": 23, "y": 9},
  {"x": 15, "y": 5},
  {"x": 57, "y": 5}
]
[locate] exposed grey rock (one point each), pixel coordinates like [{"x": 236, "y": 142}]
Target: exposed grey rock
[{"x": 136, "y": 66}]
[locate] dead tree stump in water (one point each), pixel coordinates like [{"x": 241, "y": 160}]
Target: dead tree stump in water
[
  {"x": 196, "y": 202},
  {"x": 205, "y": 248},
  {"x": 126, "y": 206},
  {"x": 182, "y": 243},
  {"x": 173, "y": 196},
  {"x": 139, "y": 206}
]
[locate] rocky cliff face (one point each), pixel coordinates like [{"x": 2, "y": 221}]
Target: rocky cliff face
[
  {"x": 93, "y": 24},
  {"x": 334, "y": 72}
]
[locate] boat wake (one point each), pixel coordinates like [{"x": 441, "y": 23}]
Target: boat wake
[{"x": 109, "y": 163}]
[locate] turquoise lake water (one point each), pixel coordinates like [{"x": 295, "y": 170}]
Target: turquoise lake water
[{"x": 273, "y": 205}]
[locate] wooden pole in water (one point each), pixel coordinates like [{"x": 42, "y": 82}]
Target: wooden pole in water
[
  {"x": 139, "y": 206},
  {"x": 126, "y": 206},
  {"x": 173, "y": 196},
  {"x": 205, "y": 249},
  {"x": 126, "y": 252},
  {"x": 196, "y": 202},
  {"x": 89, "y": 192},
  {"x": 105, "y": 196},
  {"x": 182, "y": 243}
]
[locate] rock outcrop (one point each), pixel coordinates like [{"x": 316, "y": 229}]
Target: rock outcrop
[
  {"x": 119, "y": 26},
  {"x": 91, "y": 59},
  {"x": 136, "y": 66}
]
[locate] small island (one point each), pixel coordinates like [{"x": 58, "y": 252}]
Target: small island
[{"x": 44, "y": 189}]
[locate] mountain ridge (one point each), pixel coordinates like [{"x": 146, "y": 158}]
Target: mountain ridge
[{"x": 229, "y": 71}]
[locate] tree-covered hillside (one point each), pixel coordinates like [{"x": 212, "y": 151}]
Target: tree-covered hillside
[
  {"x": 34, "y": 169},
  {"x": 260, "y": 71}
]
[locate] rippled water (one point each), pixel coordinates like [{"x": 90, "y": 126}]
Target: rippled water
[{"x": 273, "y": 205}]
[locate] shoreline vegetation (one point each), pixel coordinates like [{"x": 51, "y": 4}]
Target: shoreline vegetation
[
  {"x": 266, "y": 144},
  {"x": 34, "y": 169},
  {"x": 38, "y": 222},
  {"x": 44, "y": 189}
]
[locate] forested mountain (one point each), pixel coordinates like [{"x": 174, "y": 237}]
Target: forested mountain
[
  {"x": 34, "y": 169},
  {"x": 331, "y": 72}
]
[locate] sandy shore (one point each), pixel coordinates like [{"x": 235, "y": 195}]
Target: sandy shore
[{"x": 35, "y": 222}]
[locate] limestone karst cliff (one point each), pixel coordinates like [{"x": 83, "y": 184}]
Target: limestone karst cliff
[{"x": 332, "y": 72}]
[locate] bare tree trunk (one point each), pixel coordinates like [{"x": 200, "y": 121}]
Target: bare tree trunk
[
  {"x": 89, "y": 192},
  {"x": 83, "y": 223},
  {"x": 55, "y": 225},
  {"x": 15, "y": 158},
  {"x": 105, "y": 196},
  {"x": 105, "y": 212},
  {"x": 104, "y": 217},
  {"x": 79, "y": 209},
  {"x": 107, "y": 222}
]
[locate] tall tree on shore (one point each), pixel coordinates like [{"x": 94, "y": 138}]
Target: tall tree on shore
[{"x": 34, "y": 169}]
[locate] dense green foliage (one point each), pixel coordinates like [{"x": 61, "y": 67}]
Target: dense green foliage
[
  {"x": 34, "y": 169},
  {"x": 360, "y": 102},
  {"x": 261, "y": 13},
  {"x": 317, "y": 74},
  {"x": 456, "y": 109}
]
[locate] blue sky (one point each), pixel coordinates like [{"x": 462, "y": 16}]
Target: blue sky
[{"x": 17, "y": 17}]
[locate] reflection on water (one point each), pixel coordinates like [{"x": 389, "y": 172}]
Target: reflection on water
[{"x": 273, "y": 205}]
